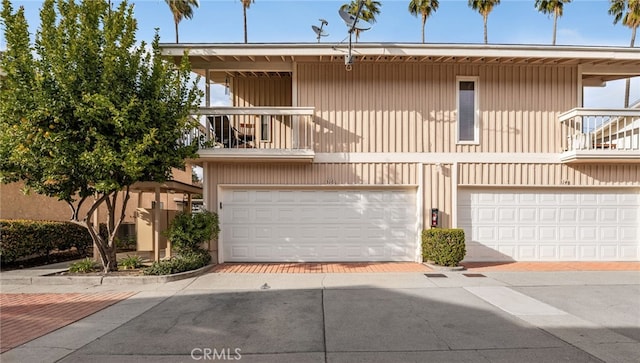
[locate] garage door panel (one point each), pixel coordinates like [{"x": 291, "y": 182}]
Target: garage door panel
[
  {"x": 319, "y": 225},
  {"x": 560, "y": 224}
]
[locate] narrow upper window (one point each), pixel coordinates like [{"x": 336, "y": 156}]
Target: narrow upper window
[{"x": 468, "y": 110}]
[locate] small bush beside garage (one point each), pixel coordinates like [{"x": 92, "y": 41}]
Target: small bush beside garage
[
  {"x": 445, "y": 247},
  {"x": 21, "y": 239}
]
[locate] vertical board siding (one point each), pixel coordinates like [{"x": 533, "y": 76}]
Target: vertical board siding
[
  {"x": 438, "y": 194},
  {"x": 261, "y": 91},
  {"x": 410, "y": 107},
  {"x": 309, "y": 174},
  {"x": 529, "y": 174}
]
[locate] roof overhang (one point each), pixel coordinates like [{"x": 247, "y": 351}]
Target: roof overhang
[
  {"x": 166, "y": 187},
  {"x": 280, "y": 58}
]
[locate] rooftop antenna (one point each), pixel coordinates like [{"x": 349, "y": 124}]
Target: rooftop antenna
[
  {"x": 353, "y": 23},
  {"x": 319, "y": 32}
]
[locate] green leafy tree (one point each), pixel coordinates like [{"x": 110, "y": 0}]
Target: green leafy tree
[
  {"x": 181, "y": 9},
  {"x": 245, "y": 5},
  {"x": 627, "y": 11},
  {"x": 370, "y": 9},
  {"x": 425, "y": 8},
  {"x": 555, "y": 7},
  {"x": 85, "y": 112},
  {"x": 484, "y": 7}
]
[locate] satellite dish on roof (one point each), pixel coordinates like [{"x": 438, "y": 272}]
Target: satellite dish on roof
[
  {"x": 319, "y": 31},
  {"x": 353, "y": 22}
]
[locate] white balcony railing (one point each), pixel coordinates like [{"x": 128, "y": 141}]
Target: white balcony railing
[
  {"x": 254, "y": 133},
  {"x": 600, "y": 134}
]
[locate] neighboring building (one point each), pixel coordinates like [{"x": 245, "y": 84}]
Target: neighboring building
[
  {"x": 316, "y": 163},
  {"x": 15, "y": 204}
]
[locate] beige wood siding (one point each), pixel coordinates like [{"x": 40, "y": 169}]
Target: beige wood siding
[
  {"x": 513, "y": 174},
  {"x": 310, "y": 174},
  {"x": 261, "y": 91},
  {"x": 410, "y": 107},
  {"x": 438, "y": 194}
]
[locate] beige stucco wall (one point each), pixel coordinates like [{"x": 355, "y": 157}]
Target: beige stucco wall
[{"x": 14, "y": 204}]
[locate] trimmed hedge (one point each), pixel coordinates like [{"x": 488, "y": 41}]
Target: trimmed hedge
[
  {"x": 24, "y": 238},
  {"x": 444, "y": 247},
  {"x": 186, "y": 261}
]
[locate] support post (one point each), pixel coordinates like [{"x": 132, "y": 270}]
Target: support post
[{"x": 156, "y": 226}]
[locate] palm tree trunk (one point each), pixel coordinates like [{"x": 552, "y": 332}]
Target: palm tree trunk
[
  {"x": 424, "y": 22},
  {"x": 244, "y": 13},
  {"x": 484, "y": 16},
  {"x": 627, "y": 86},
  {"x": 555, "y": 27},
  {"x": 177, "y": 32}
]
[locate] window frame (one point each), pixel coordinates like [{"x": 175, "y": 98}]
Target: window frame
[{"x": 476, "y": 111}]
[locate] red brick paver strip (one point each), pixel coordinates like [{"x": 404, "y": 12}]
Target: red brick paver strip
[
  {"x": 552, "y": 266},
  {"x": 359, "y": 267},
  {"x": 306, "y": 267},
  {"x": 24, "y": 317}
]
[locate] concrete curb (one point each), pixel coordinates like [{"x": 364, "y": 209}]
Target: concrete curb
[
  {"x": 443, "y": 268},
  {"x": 102, "y": 280}
]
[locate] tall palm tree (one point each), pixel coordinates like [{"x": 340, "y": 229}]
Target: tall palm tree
[
  {"x": 629, "y": 12},
  {"x": 424, "y": 8},
  {"x": 370, "y": 9},
  {"x": 245, "y": 5},
  {"x": 484, "y": 7},
  {"x": 554, "y": 7},
  {"x": 181, "y": 9}
]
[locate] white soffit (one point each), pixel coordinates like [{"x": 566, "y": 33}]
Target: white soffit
[{"x": 289, "y": 52}]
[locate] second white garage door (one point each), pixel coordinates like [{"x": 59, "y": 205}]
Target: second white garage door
[
  {"x": 550, "y": 224},
  {"x": 283, "y": 224}
]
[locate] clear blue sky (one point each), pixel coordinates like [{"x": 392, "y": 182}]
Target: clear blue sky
[{"x": 585, "y": 22}]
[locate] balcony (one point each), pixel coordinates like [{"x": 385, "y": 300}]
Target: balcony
[
  {"x": 265, "y": 134},
  {"x": 600, "y": 135}
]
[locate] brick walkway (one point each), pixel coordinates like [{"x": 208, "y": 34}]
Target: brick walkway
[
  {"x": 339, "y": 267},
  {"x": 24, "y": 317},
  {"x": 552, "y": 266},
  {"x": 347, "y": 267}
]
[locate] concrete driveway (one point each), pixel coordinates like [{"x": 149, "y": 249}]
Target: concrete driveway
[{"x": 398, "y": 317}]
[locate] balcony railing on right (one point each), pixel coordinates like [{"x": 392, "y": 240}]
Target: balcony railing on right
[{"x": 600, "y": 134}]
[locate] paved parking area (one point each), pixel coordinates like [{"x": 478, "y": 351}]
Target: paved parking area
[{"x": 497, "y": 315}]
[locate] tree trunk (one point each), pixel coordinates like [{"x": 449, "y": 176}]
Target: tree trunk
[
  {"x": 555, "y": 27},
  {"x": 424, "y": 22},
  {"x": 177, "y": 32},
  {"x": 244, "y": 13},
  {"x": 627, "y": 85},
  {"x": 486, "y": 39}
]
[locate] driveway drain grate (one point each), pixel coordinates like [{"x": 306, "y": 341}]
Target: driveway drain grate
[
  {"x": 436, "y": 275},
  {"x": 474, "y": 275}
]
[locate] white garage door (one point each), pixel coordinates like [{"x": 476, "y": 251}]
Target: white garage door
[
  {"x": 319, "y": 225},
  {"x": 552, "y": 224}
]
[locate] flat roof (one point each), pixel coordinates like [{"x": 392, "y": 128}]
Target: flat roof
[{"x": 488, "y": 53}]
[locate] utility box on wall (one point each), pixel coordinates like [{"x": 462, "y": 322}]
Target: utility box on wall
[
  {"x": 144, "y": 228},
  {"x": 435, "y": 218}
]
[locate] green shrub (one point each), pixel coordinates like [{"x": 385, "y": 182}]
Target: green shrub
[
  {"x": 130, "y": 262},
  {"x": 20, "y": 239},
  {"x": 186, "y": 261},
  {"x": 445, "y": 247},
  {"x": 84, "y": 266},
  {"x": 187, "y": 232}
]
